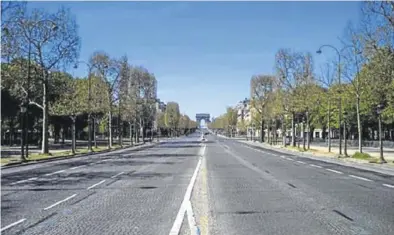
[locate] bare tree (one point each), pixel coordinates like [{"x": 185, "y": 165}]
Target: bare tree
[
  {"x": 261, "y": 87},
  {"x": 50, "y": 41},
  {"x": 109, "y": 70},
  {"x": 287, "y": 68}
]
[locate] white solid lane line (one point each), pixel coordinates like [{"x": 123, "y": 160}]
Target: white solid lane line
[
  {"x": 23, "y": 181},
  {"x": 56, "y": 172},
  {"x": 176, "y": 227},
  {"x": 388, "y": 185},
  {"x": 94, "y": 185},
  {"x": 360, "y": 178},
  {"x": 117, "y": 175},
  {"x": 300, "y": 162},
  {"x": 11, "y": 225},
  {"x": 315, "y": 166},
  {"x": 57, "y": 203},
  {"x": 338, "y": 172}
]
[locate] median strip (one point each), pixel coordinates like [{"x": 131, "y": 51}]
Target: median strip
[
  {"x": 57, "y": 203},
  {"x": 94, "y": 185},
  {"x": 360, "y": 178}
]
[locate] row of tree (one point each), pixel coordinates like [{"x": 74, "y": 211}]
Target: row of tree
[
  {"x": 115, "y": 99},
  {"x": 359, "y": 82}
]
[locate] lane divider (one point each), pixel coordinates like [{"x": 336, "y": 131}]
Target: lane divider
[
  {"x": 12, "y": 225},
  {"x": 315, "y": 166},
  {"x": 56, "y": 172},
  {"x": 176, "y": 227},
  {"x": 23, "y": 181},
  {"x": 94, "y": 185},
  {"x": 61, "y": 201},
  {"x": 301, "y": 162},
  {"x": 360, "y": 178},
  {"x": 121, "y": 173},
  {"x": 388, "y": 185},
  {"x": 338, "y": 172}
]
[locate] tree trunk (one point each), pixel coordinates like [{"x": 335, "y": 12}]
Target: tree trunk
[
  {"x": 308, "y": 127},
  {"x": 329, "y": 126},
  {"x": 110, "y": 137},
  {"x": 63, "y": 135},
  {"x": 283, "y": 131},
  {"x": 45, "y": 121},
  {"x": 344, "y": 138},
  {"x": 382, "y": 160},
  {"x": 293, "y": 131},
  {"x": 121, "y": 133},
  {"x": 359, "y": 127},
  {"x": 303, "y": 135},
  {"x": 131, "y": 133},
  {"x": 73, "y": 130},
  {"x": 262, "y": 136},
  {"x": 11, "y": 138},
  {"x": 95, "y": 132}
]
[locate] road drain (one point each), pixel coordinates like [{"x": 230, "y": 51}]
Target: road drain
[
  {"x": 343, "y": 215},
  {"x": 291, "y": 185}
]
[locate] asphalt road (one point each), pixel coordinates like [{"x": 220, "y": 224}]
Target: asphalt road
[
  {"x": 238, "y": 189},
  {"x": 257, "y": 191},
  {"x": 123, "y": 192}
]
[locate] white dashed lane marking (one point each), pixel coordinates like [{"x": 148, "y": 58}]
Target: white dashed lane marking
[
  {"x": 338, "y": 172},
  {"x": 117, "y": 175},
  {"x": 76, "y": 167},
  {"x": 388, "y": 185},
  {"x": 61, "y": 201},
  {"x": 360, "y": 178},
  {"x": 12, "y": 225},
  {"x": 94, "y": 185},
  {"x": 23, "y": 181},
  {"x": 300, "y": 162},
  {"x": 315, "y": 166},
  {"x": 56, "y": 172}
]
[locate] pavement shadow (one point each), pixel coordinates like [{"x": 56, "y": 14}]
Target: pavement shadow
[
  {"x": 149, "y": 175},
  {"x": 123, "y": 162},
  {"x": 161, "y": 155},
  {"x": 178, "y": 146}
]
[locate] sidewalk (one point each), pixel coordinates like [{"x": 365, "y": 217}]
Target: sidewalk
[
  {"x": 37, "y": 158},
  {"x": 330, "y": 158}
]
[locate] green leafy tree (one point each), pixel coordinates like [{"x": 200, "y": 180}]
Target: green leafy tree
[
  {"x": 71, "y": 104},
  {"x": 172, "y": 116}
]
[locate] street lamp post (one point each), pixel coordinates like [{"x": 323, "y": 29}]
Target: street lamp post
[
  {"x": 23, "y": 112},
  {"x": 339, "y": 82},
  {"x": 340, "y": 95}
]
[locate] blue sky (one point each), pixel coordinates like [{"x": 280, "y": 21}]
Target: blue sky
[{"x": 203, "y": 54}]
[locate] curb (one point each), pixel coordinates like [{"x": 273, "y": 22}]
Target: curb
[
  {"x": 381, "y": 170},
  {"x": 20, "y": 164}
]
